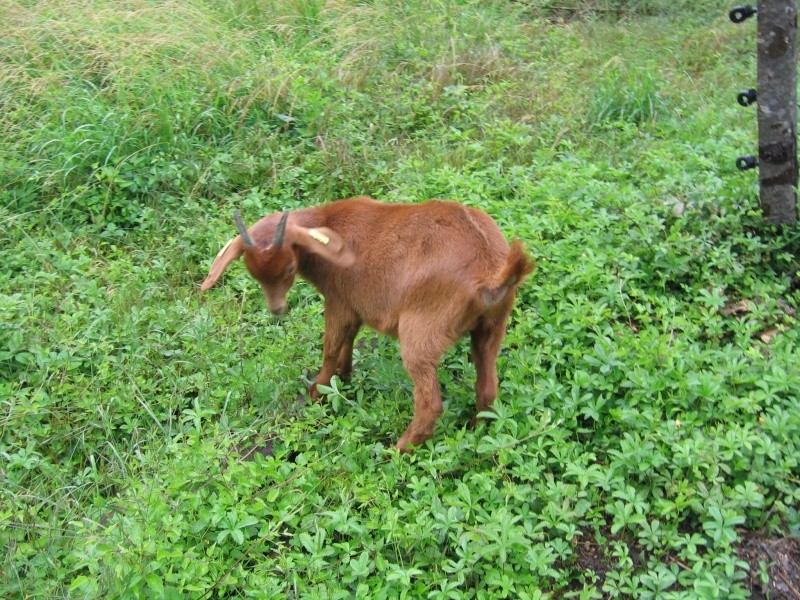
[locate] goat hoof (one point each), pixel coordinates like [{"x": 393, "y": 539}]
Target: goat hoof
[{"x": 403, "y": 449}]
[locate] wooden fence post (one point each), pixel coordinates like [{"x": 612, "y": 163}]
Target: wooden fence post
[{"x": 777, "y": 109}]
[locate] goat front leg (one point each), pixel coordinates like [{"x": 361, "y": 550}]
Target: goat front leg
[
  {"x": 421, "y": 350},
  {"x": 344, "y": 363},
  {"x": 341, "y": 327}
]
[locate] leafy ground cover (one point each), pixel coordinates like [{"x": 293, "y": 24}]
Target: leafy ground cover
[{"x": 156, "y": 443}]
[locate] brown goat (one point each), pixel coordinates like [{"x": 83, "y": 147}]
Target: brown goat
[{"x": 424, "y": 273}]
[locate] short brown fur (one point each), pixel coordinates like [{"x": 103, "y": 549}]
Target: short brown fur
[{"x": 425, "y": 273}]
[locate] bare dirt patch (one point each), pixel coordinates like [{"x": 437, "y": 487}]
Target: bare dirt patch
[{"x": 777, "y": 557}]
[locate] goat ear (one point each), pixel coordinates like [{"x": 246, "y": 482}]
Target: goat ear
[
  {"x": 326, "y": 244},
  {"x": 229, "y": 253}
]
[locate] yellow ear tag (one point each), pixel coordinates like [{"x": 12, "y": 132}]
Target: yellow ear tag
[
  {"x": 319, "y": 236},
  {"x": 225, "y": 247}
]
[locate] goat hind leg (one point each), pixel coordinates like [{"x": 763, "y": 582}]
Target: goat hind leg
[
  {"x": 486, "y": 341},
  {"x": 421, "y": 351}
]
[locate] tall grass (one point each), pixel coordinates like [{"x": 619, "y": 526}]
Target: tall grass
[
  {"x": 626, "y": 95},
  {"x": 106, "y": 98}
]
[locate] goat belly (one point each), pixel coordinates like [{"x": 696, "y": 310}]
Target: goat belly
[{"x": 385, "y": 326}]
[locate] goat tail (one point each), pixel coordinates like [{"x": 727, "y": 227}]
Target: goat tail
[{"x": 518, "y": 266}]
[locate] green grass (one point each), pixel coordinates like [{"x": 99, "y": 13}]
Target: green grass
[{"x": 639, "y": 417}]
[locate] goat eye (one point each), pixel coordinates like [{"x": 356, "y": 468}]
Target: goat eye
[{"x": 290, "y": 270}]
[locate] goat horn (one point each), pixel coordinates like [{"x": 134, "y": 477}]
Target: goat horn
[
  {"x": 248, "y": 241},
  {"x": 278, "y": 239}
]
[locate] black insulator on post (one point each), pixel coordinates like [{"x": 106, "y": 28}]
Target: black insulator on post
[
  {"x": 745, "y": 163},
  {"x": 740, "y": 14},
  {"x": 747, "y": 97}
]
